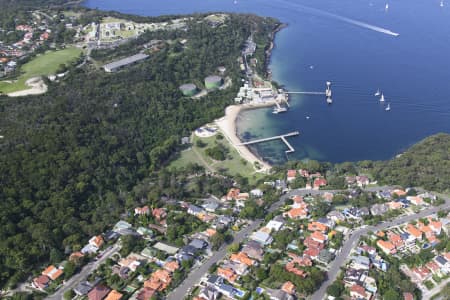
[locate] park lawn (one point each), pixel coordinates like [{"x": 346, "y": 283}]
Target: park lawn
[
  {"x": 42, "y": 65},
  {"x": 233, "y": 165}
]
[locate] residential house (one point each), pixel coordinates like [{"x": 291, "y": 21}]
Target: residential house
[
  {"x": 318, "y": 237},
  {"x": 303, "y": 173},
  {"x": 232, "y": 194},
  {"x": 227, "y": 274},
  {"x": 291, "y": 267},
  {"x": 76, "y": 257},
  {"x": 279, "y": 295},
  {"x": 242, "y": 258},
  {"x": 274, "y": 225},
  {"x": 41, "y": 282},
  {"x": 319, "y": 182},
  {"x": 443, "y": 263},
  {"x": 142, "y": 211},
  {"x": 359, "y": 292},
  {"x": 83, "y": 288},
  {"x": 261, "y": 237},
  {"x": 398, "y": 192},
  {"x": 159, "y": 280},
  {"x": 408, "y": 296},
  {"x": 360, "y": 263},
  {"x": 336, "y": 216},
  {"x": 257, "y": 193},
  {"x": 436, "y": 226},
  {"x": 198, "y": 244},
  {"x": 241, "y": 199},
  {"x": 194, "y": 210},
  {"x": 159, "y": 214},
  {"x": 325, "y": 256},
  {"x": 211, "y": 206},
  {"x": 238, "y": 268},
  {"x": 99, "y": 292},
  {"x": 386, "y": 247},
  {"x": 297, "y": 213},
  {"x": 208, "y": 293},
  {"x": 114, "y": 295},
  {"x": 415, "y": 200},
  {"x": 145, "y": 293},
  {"x": 290, "y": 176},
  {"x": 313, "y": 253},
  {"x": 421, "y": 273},
  {"x": 316, "y": 226},
  {"x": 327, "y": 196},
  {"x": 395, "y": 205},
  {"x": 396, "y": 240},
  {"x": 309, "y": 242},
  {"x": 379, "y": 209},
  {"x": 362, "y": 181},
  {"x": 97, "y": 241},
  {"x": 254, "y": 250},
  {"x": 171, "y": 266},
  {"x": 433, "y": 267},
  {"x": 52, "y": 272},
  {"x": 288, "y": 287},
  {"x": 414, "y": 232}
]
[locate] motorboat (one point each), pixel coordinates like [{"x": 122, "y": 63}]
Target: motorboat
[{"x": 278, "y": 110}]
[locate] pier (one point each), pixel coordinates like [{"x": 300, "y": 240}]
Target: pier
[
  {"x": 307, "y": 93},
  {"x": 277, "y": 137}
]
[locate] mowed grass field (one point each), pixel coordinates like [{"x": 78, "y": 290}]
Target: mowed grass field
[
  {"x": 233, "y": 164},
  {"x": 42, "y": 65}
]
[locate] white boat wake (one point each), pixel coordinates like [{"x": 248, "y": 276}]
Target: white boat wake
[{"x": 324, "y": 13}]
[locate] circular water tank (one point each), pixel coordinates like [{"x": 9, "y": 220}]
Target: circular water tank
[
  {"x": 188, "y": 89},
  {"x": 213, "y": 82}
]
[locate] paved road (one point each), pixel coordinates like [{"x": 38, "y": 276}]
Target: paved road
[
  {"x": 341, "y": 258},
  {"x": 82, "y": 275},
  {"x": 195, "y": 276}
]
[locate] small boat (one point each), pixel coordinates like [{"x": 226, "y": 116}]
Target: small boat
[
  {"x": 388, "y": 107},
  {"x": 382, "y": 98},
  {"x": 278, "y": 110},
  {"x": 329, "y": 100},
  {"x": 386, "y": 8},
  {"x": 311, "y": 67},
  {"x": 442, "y": 3},
  {"x": 378, "y": 93},
  {"x": 308, "y": 117}
]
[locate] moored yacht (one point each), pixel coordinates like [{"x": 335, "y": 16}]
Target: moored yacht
[
  {"x": 377, "y": 93},
  {"x": 382, "y": 97}
]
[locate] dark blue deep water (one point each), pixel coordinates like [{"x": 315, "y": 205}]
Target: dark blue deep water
[{"x": 413, "y": 71}]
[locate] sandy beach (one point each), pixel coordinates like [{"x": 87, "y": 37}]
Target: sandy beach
[{"x": 228, "y": 126}]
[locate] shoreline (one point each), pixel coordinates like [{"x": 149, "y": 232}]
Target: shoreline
[{"x": 227, "y": 125}]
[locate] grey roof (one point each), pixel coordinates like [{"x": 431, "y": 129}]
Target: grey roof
[
  {"x": 198, "y": 243},
  {"x": 83, "y": 288},
  {"x": 441, "y": 260},
  {"x": 125, "y": 61},
  {"x": 215, "y": 280},
  {"x": 195, "y": 209}
]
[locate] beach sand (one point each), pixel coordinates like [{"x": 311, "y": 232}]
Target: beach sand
[{"x": 227, "y": 124}]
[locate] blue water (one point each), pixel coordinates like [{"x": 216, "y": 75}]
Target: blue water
[{"x": 413, "y": 71}]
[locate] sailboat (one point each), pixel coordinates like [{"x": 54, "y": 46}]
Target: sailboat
[
  {"x": 388, "y": 107},
  {"x": 382, "y": 98},
  {"x": 378, "y": 93},
  {"x": 386, "y": 8}
]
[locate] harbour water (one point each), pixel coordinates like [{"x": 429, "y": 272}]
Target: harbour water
[{"x": 353, "y": 44}]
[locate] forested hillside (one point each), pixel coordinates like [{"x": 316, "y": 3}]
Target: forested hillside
[
  {"x": 426, "y": 164},
  {"x": 69, "y": 158}
]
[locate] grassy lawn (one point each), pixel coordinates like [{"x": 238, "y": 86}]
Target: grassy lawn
[
  {"x": 233, "y": 164},
  {"x": 44, "y": 64}
]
